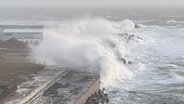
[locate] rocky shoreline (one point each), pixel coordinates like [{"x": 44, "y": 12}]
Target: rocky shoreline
[{"x": 99, "y": 97}]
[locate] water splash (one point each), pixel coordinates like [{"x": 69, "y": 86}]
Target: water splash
[{"x": 90, "y": 44}]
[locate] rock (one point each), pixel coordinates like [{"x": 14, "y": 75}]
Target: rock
[
  {"x": 129, "y": 62},
  {"x": 123, "y": 60},
  {"x": 139, "y": 37},
  {"x": 136, "y": 26},
  {"x": 98, "y": 98}
]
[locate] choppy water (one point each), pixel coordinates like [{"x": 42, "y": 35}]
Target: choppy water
[
  {"x": 162, "y": 80},
  {"x": 161, "y": 51}
]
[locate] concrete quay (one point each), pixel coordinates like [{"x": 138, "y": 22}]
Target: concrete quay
[{"x": 65, "y": 87}]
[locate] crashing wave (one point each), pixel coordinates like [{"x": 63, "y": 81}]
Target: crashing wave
[
  {"x": 90, "y": 44},
  {"x": 174, "y": 22}
]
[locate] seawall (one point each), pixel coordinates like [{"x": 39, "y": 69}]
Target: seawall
[{"x": 67, "y": 87}]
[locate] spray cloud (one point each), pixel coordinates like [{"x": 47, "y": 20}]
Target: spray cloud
[{"x": 87, "y": 44}]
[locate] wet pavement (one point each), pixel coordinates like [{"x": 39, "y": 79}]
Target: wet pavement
[
  {"x": 28, "y": 86},
  {"x": 68, "y": 89}
]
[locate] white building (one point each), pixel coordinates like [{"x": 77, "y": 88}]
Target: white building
[{"x": 29, "y": 36}]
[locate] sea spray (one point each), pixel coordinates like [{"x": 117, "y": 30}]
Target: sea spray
[{"x": 90, "y": 44}]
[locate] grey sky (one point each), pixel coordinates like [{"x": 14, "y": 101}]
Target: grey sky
[{"x": 101, "y": 3}]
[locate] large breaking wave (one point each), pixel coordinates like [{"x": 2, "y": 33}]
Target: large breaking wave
[{"x": 91, "y": 44}]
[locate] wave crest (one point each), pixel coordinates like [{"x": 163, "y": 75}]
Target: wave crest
[{"x": 90, "y": 44}]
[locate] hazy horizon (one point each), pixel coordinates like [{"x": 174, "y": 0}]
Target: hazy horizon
[{"x": 93, "y": 3}]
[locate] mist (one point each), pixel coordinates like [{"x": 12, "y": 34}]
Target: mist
[
  {"x": 92, "y": 3},
  {"x": 82, "y": 45}
]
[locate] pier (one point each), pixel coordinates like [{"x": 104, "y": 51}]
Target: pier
[{"x": 65, "y": 87}]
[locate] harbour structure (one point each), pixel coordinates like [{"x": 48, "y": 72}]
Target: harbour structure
[
  {"x": 29, "y": 36},
  {"x": 70, "y": 87}
]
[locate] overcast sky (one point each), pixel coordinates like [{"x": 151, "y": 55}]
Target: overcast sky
[{"x": 93, "y": 3}]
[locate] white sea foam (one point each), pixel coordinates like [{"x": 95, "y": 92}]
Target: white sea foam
[
  {"x": 88, "y": 43},
  {"x": 174, "y": 22}
]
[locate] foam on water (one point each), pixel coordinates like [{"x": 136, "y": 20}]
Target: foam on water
[
  {"x": 174, "y": 22},
  {"x": 91, "y": 44},
  {"x": 161, "y": 53},
  {"x": 97, "y": 45}
]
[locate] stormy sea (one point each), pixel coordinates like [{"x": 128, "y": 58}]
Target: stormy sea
[{"x": 139, "y": 53}]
